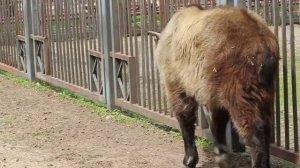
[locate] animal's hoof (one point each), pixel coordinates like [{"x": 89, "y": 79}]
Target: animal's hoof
[{"x": 190, "y": 161}]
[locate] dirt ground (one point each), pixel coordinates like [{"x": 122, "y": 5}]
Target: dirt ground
[{"x": 39, "y": 129}]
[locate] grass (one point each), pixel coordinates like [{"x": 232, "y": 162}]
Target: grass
[{"x": 101, "y": 110}]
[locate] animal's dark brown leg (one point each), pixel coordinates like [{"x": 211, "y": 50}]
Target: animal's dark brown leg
[
  {"x": 220, "y": 118},
  {"x": 185, "y": 109},
  {"x": 259, "y": 145},
  {"x": 256, "y": 136}
]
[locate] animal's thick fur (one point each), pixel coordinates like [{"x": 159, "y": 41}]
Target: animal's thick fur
[
  {"x": 224, "y": 58},
  {"x": 218, "y": 57}
]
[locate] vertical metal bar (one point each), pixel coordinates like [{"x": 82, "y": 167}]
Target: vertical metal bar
[
  {"x": 285, "y": 77},
  {"x": 143, "y": 53},
  {"x": 58, "y": 41},
  {"x": 136, "y": 54},
  {"x": 125, "y": 26},
  {"x": 75, "y": 47},
  {"x": 88, "y": 43},
  {"x": 15, "y": 32},
  {"x": 85, "y": 49},
  {"x": 28, "y": 14},
  {"x": 106, "y": 16},
  {"x": 133, "y": 83},
  {"x": 1, "y": 42},
  {"x": 71, "y": 36},
  {"x": 277, "y": 96},
  {"x": 6, "y": 58},
  {"x": 147, "y": 53},
  {"x": 38, "y": 32},
  {"x": 64, "y": 40},
  {"x": 82, "y": 31},
  {"x": 90, "y": 21},
  {"x": 238, "y": 3},
  {"x": 120, "y": 20},
  {"x": 132, "y": 62},
  {"x": 99, "y": 45},
  {"x": 83, "y": 41},
  {"x": 129, "y": 7},
  {"x": 7, "y": 34},
  {"x": 165, "y": 106},
  {"x": 90, "y": 24},
  {"x": 162, "y": 13},
  {"x": 1, "y": 33},
  {"x": 77, "y": 34},
  {"x": 275, "y": 16},
  {"x": 42, "y": 18},
  {"x": 167, "y": 8},
  {"x": 172, "y": 8},
  {"x": 152, "y": 47},
  {"x": 55, "y": 37},
  {"x": 266, "y": 10},
  {"x": 256, "y": 6},
  {"x": 8, "y": 41},
  {"x": 158, "y": 83},
  {"x": 52, "y": 39},
  {"x": 124, "y": 77},
  {"x": 98, "y": 28},
  {"x": 48, "y": 33},
  {"x": 293, "y": 75},
  {"x": 95, "y": 25},
  {"x": 178, "y": 4},
  {"x": 7, "y": 25},
  {"x": 159, "y": 99},
  {"x": 67, "y": 55},
  {"x": 4, "y": 30},
  {"x": 17, "y": 17}
]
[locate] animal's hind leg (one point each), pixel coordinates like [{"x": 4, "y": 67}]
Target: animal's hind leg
[
  {"x": 185, "y": 109},
  {"x": 220, "y": 118},
  {"x": 256, "y": 134}
]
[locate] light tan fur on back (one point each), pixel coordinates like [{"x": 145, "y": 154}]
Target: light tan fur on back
[{"x": 193, "y": 38}]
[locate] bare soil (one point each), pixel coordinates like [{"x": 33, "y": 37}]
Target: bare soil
[{"x": 39, "y": 129}]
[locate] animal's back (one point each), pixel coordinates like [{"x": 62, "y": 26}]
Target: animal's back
[{"x": 199, "y": 45}]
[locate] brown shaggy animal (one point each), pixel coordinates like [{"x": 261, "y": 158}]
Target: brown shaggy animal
[{"x": 226, "y": 59}]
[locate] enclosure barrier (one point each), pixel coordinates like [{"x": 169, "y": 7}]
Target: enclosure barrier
[{"x": 103, "y": 49}]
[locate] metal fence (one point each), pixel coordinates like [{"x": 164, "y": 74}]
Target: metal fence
[
  {"x": 104, "y": 50},
  {"x": 11, "y": 25}
]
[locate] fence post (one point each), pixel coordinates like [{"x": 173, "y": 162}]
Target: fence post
[
  {"x": 225, "y": 2},
  {"x": 106, "y": 39},
  {"x": 240, "y": 3},
  {"x": 28, "y": 27}
]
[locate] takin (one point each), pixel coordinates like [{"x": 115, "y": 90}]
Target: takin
[{"x": 227, "y": 60}]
